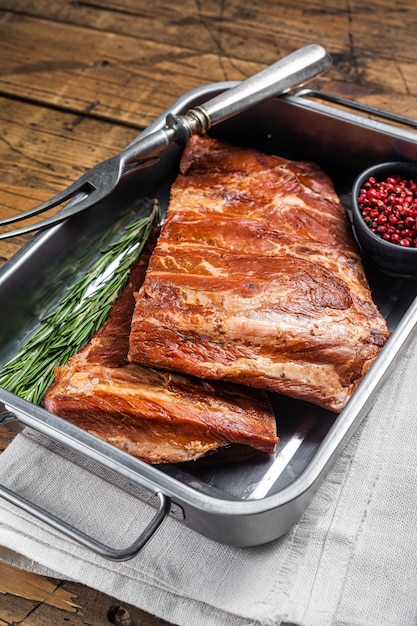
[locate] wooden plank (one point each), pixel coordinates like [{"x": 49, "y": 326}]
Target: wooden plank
[
  {"x": 258, "y": 32},
  {"x": 42, "y": 151},
  {"x": 230, "y": 26},
  {"x": 108, "y": 76},
  {"x": 32, "y": 600},
  {"x": 33, "y": 587},
  {"x": 6, "y": 437},
  {"x": 103, "y": 73}
]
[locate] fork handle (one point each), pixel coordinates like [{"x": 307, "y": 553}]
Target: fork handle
[
  {"x": 289, "y": 72},
  {"x": 292, "y": 71}
]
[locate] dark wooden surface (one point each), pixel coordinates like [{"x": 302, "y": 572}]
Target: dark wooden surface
[{"x": 80, "y": 79}]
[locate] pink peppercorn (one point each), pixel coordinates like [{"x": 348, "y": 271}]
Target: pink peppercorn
[{"x": 389, "y": 208}]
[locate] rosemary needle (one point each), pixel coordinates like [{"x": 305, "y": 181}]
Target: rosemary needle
[{"x": 80, "y": 313}]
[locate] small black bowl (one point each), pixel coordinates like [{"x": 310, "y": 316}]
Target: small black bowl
[{"x": 391, "y": 258}]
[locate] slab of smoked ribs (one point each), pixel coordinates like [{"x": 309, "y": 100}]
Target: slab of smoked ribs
[
  {"x": 157, "y": 416},
  {"x": 256, "y": 279}
]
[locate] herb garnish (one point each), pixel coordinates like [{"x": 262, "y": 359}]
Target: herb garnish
[{"x": 75, "y": 319}]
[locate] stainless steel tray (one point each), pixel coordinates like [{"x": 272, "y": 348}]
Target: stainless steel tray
[{"x": 257, "y": 500}]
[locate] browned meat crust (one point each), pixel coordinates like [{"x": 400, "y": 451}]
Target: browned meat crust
[
  {"x": 157, "y": 416},
  {"x": 256, "y": 279}
]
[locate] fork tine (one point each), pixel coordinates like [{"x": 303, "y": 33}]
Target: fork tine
[
  {"x": 62, "y": 196},
  {"x": 78, "y": 204},
  {"x": 92, "y": 187}
]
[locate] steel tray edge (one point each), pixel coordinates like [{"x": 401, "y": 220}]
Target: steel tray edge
[{"x": 307, "y": 483}]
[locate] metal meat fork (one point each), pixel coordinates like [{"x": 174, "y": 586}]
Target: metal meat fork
[{"x": 292, "y": 71}]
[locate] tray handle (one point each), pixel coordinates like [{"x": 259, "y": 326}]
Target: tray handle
[
  {"x": 358, "y": 106},
  {"x": 82, "y": 538},
  {"x": 78, "y": 535}
]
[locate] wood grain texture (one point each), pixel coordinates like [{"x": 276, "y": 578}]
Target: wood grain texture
[
  {"x": 28, "y": 599},
  {"x": 33, "y": 587},
  {"x": 6, "y": 437},
  {"x": 158, "y": 52},
  {"x": 79, "y": 79}
]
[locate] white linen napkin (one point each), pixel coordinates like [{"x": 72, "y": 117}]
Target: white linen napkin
[{"x": 350, "y": 561}]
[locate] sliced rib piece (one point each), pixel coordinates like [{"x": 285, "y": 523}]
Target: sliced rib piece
[
  {"x": 157, "y": 416},
  {"x": 256, "y": 279}
]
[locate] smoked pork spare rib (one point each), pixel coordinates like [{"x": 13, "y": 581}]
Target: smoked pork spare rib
[
  {"x": 255, "y": 284},
  {"x": 155, "y": 415},
  {"x": 256, "y": 279}
]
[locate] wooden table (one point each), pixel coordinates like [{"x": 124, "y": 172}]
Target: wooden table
[{"x": 79, "y": 80}]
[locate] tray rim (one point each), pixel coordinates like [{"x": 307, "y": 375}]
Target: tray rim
[{"x": 149, "y": 476}]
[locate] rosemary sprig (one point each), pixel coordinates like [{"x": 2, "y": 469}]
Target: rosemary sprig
[{"x": 75, "y": 319}]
